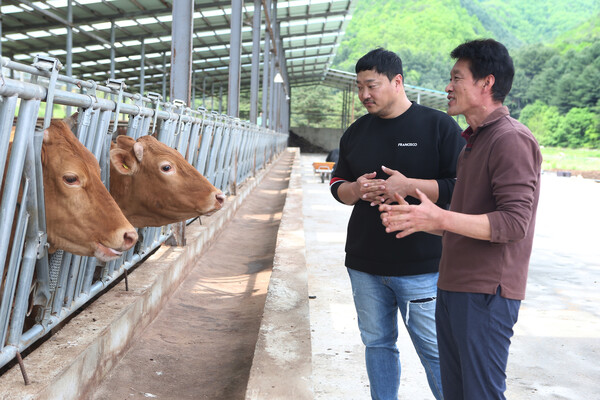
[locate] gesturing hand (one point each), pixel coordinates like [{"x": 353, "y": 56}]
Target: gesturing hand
[
  {"x": 408, "y": 218},
  {"x": 397, "y": 183}
]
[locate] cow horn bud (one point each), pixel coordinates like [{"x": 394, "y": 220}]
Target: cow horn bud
[{"x": 138, "y": 150}]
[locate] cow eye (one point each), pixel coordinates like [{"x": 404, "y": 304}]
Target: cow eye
[
  {"x": 71, "y": 179},
  {"x": 167, "y": 168}
]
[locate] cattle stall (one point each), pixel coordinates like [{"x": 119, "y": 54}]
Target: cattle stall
[{"x": 39, "y": 290}]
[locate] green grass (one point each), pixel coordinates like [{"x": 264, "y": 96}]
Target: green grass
[{"x": 557, "y": 158}]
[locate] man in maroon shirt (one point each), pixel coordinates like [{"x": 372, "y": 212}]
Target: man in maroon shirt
[{"x": 488, "y": 230}]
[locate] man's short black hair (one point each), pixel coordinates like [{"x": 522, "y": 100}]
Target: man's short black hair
[
  {"x": 382, "y": 61},
  {"x": 488, "y": 57}
]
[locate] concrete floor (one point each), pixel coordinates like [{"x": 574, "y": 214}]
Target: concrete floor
[
  {"x": 556, "y": 348},
  {"x": 201, "y": 344},
  {"x": 338, "y": 353}
]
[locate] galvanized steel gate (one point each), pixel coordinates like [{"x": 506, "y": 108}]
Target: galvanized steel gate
[{"x": 225, "y": 150}]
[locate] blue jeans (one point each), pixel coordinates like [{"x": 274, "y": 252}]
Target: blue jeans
[{"x": 377, "y": 300}]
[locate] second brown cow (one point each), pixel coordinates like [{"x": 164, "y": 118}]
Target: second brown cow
[{"x": 154, "y": 185}]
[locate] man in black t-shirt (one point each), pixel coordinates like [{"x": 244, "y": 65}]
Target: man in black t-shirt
[{"x": 398, "y": 147}]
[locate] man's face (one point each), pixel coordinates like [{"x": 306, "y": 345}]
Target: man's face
[
  {"x": 464, "y": 93},
  {"x": 377, "y": 93}
]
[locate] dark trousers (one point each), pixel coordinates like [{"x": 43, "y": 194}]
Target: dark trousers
[{"x": 474, "y": 332}]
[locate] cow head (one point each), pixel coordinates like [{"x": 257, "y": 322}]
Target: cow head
[
  {"x": 154, "y": 185},
  {"x": 81, "y": 216}
]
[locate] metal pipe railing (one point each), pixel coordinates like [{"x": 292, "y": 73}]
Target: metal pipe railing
[{"x": 225, "y": 150}]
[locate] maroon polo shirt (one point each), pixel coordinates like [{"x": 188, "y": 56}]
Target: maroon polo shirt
[{"x": 498, "y": 174}]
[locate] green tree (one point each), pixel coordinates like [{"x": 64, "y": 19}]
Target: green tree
[
  {"x": 529, "y": 62},
  {"x": 555, "y": 47},
  {"x": 543, "y": 121},
  {"x": 311, "y": 106},
  {"x": 579, "y": 128},
  {"x": 422, "y": 33},
  {"x": 586, "y": 93}
]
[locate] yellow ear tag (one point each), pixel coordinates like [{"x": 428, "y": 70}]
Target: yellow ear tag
[{"x": 125, "y": 166}]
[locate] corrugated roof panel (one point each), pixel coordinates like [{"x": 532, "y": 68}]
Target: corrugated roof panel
[{"x": 310, "y": 31}]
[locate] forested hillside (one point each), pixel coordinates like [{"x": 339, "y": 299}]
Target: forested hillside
[
  {"x": 423, "y": 32},
  {"x": 556, "y": 90},
  {"x": 555, "y": 46}
]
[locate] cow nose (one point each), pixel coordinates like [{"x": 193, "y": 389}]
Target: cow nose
[
  {"x": 220, "y": 199},
  {"x": 129, "y": 238}
]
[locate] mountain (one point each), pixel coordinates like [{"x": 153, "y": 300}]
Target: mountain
[
  {"x": 423, "y": 32},
  {"x": 518, "y": 23},
  {"x": 555, "y": 46}
]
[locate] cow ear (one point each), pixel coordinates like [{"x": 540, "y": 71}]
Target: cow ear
[
  {"x": 125, "y": 142},
  {"x": 138, "y": 149},
  {"x": 72, "y": 121},
  {"x": 123, "y": 161}
]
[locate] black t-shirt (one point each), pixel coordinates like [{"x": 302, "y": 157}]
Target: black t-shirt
[{"x": 421, "y": 143}]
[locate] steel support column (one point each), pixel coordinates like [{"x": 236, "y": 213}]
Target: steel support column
[
  {"x": 266, "y": 73},
  {"x": 278, "y": 110},
  {"x": 353, "y": 97},
  {"x": 286, "y": 95},
  {"x": 204, "y": 91},
  {"x": 273, "y": 67},
  {"x": 281, "y": 107},
  {"x": 0, "y": 35},
  {"x": 272, "y": 105},
  {"x": 69, "y": 47},
  {"x": 345, "y": 101},
  {"x": 193, "y": 100},
  {"x": 181, "y": 50},
  {"x": 287, "y": 110},
  {"x": 164, "y": 77},
  {"x": 181, "y": 70},
  {"x": 255, "y": 72},
  {"x": 279, "y": 86},
  {"x": 235, "y": 55},
  {"x": 221, "y": 100},
  {"x": 143, "y": 67},
  {"x": 112, "y": 50}
]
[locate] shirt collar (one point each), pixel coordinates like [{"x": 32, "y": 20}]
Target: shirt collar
[
  {"x": 467, "y": 133},
  {"x": 494, "y": 116}
]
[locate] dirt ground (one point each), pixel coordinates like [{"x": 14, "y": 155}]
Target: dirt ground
[{"x": 201, "y": 344}]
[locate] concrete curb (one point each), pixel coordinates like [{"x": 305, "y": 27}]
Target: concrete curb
[
  {"x": 282, "y": 364},
  {"x": 74, "y": 360}
]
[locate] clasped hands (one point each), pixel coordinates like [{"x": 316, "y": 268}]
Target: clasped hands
[
  {"x": 402, "y": 217},
  {"x": 381, "y": 191}
]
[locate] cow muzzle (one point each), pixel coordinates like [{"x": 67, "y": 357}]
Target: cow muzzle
[
  {"x": 219, "y": 200},
  {"x": 106, "y": 253},
  {"x": 216, "y": 206}
]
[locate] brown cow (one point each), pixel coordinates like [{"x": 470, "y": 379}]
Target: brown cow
[
  {"x": 155, "y": 186},
  {"x": 81, "y": 216}
]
